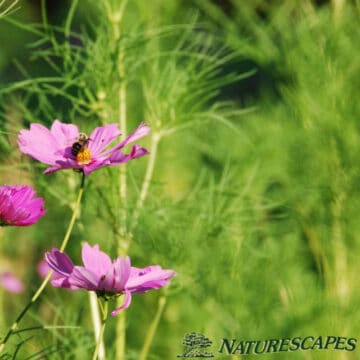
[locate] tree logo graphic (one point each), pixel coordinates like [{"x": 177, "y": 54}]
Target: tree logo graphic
[{"x": 195, "y": 343}]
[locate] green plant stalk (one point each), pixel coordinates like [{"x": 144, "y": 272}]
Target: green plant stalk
[
  {"x": 121, "y": 333},
  {"x": 67, "y": 29},
  {"x": 102, "y": 330},
  {"x": 123, "y": 248},
  {"x": 47, "y": 278},
  {"x": 338, "y": 9},
  {"x": 95, "y": 315},
  {"x": 7, "y": 10},
  {"x": 115, "y": 18},
  {"x": 152, "y": 330},
  {"x": 155, "y": 139},
  {"x": 123, "y": 239},
  {"x": 121, "y": 321}
]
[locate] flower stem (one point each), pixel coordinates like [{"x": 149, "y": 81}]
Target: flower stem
[
  {"x": 123, "y": 239},
  {"x": 74, "y": 215},
  {"x": 47, "y": 278},
  {"x": 95, "y": 315},
  {"x": 121, "y": 335},
  {"x": 156, "y": 136},
  {"x": 121, "y": 320},
  {"x": 151, "y": 332},
  {"x": 103, "y": 323},
  {"x": 123, "y": 242}
]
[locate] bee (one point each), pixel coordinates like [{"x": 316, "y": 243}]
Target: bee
[{"x": 80, "y": 143}]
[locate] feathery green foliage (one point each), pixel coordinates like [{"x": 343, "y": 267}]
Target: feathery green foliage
[{"x": 251, "y": 189}]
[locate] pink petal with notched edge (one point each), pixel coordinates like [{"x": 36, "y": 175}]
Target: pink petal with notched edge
[
  {"x": 150, "y": 277},
  {"x": 118, "y": 157},
  {"x": 125, "y": 305},
  {"x": 49, "y": 146},
  {"x": 39, "y": 143},
  {"x": 141, "y": 131},
  {"x": 64, "y": 134},
  {"x": 95, "y": 260},
  {"x": 101, "y": 137}
]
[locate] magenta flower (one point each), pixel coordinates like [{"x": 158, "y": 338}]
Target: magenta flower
[
  {"x": 107, "y": 278},
  {"x": 56, "y": 148},
  {"x": 19, "y": 207},
  {"x": 11, "y": 283}
]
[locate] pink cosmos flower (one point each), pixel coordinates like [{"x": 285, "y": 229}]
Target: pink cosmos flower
[
  {"x": 11, "y": 283},
  {"x": 107, "y": 278},
  {"x": 54, "y": 147},
  {"x": 19, "y": 207}
]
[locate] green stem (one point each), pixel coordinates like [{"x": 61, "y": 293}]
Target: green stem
[
  {"x": 47, "y": 279},
  {"x": 7, "y": 9},
  {"x": 74, "y": 215},
  {"x": 121, "y": 320},
  {"x": 102, "y": 330},
  {"x": 69, "y": 18},
  {"x": 152, "y": 330},
  {"x": 67, "y": 30},
  {"x": 95, "y": 315},
  {"x": 115, "y": 17},
  {"x": 338, "y": 9},
  {"x": 122, "y": 243},
  {"x": 156, "y": 136},
  {"x": 120, "y": 332}
]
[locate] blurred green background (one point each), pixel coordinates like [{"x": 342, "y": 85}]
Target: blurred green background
[{"x": 254, "y": 194}]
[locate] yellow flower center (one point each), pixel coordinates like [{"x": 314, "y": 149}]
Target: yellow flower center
[{"x": 84, "y": 156}]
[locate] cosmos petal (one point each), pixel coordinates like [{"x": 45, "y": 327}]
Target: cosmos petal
[
  {"x": 101, "y": 137},
  {"x": 59, "y": 262},
  {"x": 39, "y": 143},
  {"x": 95, "y": 260},
  {"x": 118, "y": 157},
  {"x": 64, "y": 134},
  {"x": 141, "y": 131},
  {"x": 125, "y": 305},
  {"x": 150, "y": 277},
  {"x": 83, "y": 278}
]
